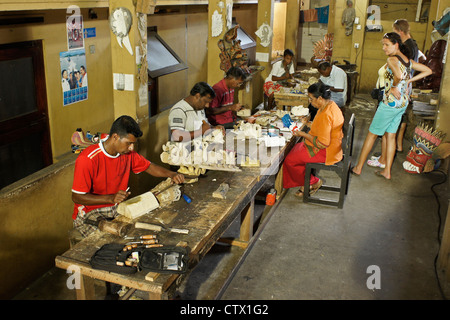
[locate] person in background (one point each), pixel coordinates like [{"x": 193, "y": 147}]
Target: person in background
[
  {"x": 394, "y": 76},
  {"x": 401, "y": 27},
  {"x": 281, "y": 70},
  {"x": 323, "y": 143},
  {"x": 187, "y": 118},
  {"x": 336, "y": 79},
  {"x": 222, "y": 110}
]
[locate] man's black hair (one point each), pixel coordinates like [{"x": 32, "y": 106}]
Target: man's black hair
[
  {"x": 236, "y": 73},
  {"x": 125, "y": 125},
  {"x": 288, "y": 52},
  {"x": 324, "y": 65},
  {"x": 204, "y": 89}
]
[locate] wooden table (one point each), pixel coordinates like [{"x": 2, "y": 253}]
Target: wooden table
[{"x": 207, "y": 218}]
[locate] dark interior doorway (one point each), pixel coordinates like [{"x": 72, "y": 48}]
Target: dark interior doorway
[{"x": 24, "y": 128}]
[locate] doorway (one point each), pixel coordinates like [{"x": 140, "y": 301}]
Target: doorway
[{"x": 24, "y": 130}]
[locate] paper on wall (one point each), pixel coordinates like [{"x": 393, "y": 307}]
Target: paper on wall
[{"x": 123, "y": 81}]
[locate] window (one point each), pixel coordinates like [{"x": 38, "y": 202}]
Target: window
[{"x": 161, "y": 60}]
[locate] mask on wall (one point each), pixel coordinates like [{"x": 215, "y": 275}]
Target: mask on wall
[
  {"x": 426, "y": 140},
  {"x": 120, "y": 22}
]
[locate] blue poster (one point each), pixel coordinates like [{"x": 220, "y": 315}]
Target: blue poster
[{"x": 73, "y": 76}]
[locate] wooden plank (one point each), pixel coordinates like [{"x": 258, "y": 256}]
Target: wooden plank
[
  {"x": 444, "y": 251},
  {"x": 247, "y": 217},
  {"x": 87, "y": 289},
  {"x": 19, "y": 5}
]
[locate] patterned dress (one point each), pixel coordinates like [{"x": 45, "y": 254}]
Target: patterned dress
[{"x": 386, "y": 79}]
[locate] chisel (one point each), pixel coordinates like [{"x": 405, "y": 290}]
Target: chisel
[
  {"x": 153, "y": 241},
  {"x": 154, "y": 227},
  {"x": 146, "y": 237}
]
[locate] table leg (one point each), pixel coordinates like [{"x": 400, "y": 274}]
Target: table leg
[
  {"x": 154, "y": 296},
  {"x": 247, "y": 217},
  {"x": 87, "y": 290}
]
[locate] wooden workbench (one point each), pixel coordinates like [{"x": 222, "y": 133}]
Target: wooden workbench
[{"x": 206, "y": 218}]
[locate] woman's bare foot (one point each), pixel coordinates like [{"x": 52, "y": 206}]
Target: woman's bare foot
[
  {"x": 356, "y": 170},
  {"x": 383, "y": 174}
]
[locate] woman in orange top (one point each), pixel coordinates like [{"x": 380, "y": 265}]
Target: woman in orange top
[{"x": 323, "y": 143}]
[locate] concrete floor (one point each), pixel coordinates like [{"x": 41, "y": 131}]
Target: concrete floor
[{"x": 314, "y": 252}]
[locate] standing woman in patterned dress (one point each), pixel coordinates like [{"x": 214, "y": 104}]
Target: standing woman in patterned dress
[{"x": 394, "y": 76}]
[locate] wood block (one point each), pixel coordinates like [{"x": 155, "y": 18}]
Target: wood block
[
  {"x": 137, "y": 206},
  {"x": 182, "y": 244},
  {"x": 151, "y": 276},
  {"x": 221, "y": 192}
]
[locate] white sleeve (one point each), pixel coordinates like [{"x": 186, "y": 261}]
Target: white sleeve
[
  {"x": 340, "y": 79},
  {"x": 177, "y": 119}
]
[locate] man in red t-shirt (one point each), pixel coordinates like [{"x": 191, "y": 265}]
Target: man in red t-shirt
[
  {"x": 102, "y": 172},
  {"x": 222, "y": 110}
]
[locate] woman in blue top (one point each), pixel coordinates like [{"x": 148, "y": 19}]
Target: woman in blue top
[{"x": 394, "y": 76}]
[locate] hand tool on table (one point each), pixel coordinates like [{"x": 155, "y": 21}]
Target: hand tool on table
[
  {"x": 144, "y": 237},
  {"x": 152, "y": 241},
  {"x": 154, "y": 227},
  {"x": 135, "y": 245},
  {"x": 164, "y": 189}
]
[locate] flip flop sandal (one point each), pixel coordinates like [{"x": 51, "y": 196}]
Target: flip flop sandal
[
  {"x": 353, "y": 172},
  {"x": 314, "y": 190},
  {"x": 299, "y": 194},
  {"x": 375, "y": 164}
]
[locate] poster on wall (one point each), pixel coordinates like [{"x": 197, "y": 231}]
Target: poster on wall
[
  {"x": 75, "y": 39},
  {"x": 73, "y": 76}
]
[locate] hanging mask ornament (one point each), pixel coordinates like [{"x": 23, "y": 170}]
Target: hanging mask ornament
[
  {"x": 426, "y": 140},
  {"x": 120, "y": 22}
]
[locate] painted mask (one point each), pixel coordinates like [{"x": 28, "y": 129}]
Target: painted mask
[{"x": 426, "y": 140}]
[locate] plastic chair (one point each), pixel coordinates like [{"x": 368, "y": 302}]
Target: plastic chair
[{"x": 342, "y": 169}]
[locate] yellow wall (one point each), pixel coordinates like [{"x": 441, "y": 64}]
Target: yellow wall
[
  {"x": 36, "y": 218},
  {"x": 95, "y": 113},
  {"x": 372, "y": 55}
]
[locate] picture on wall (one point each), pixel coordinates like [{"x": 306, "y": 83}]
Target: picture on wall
[
  {"x": 75, "y": 38},
  {"x": 73, "y": 76}
]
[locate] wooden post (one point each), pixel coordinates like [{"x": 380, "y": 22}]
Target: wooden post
[
  {"x": 358, "y": 35},
  {"x": 124, "y": 63},
  {"x": 87, "y": 289},
  {"x": 444, "y": 252},
  {"x": 263, "y": 53},
  {"x": 443, "y": 117},
  {"x": 215, "y": 74},
  {"x": 247, "y": 217},
  {"x": 292, "y": 21}
]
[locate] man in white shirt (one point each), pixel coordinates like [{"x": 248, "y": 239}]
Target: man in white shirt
[
  {"x": 187, "y": 118},
  {"x": 281, "y": 70},
  {"x": 84, "y": 81},
  {"x": 336, "y": 79}
]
